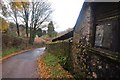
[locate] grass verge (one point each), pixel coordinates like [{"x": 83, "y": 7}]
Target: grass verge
[
  {"x": 9, "y": 51},
  {"x": 49, "y": 67}
]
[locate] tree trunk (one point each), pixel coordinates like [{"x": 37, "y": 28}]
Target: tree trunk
[
  {"x": 26, "y": 21},
  {"x": 32, "y": 36},
  {"x": 17, "y": 25},
  {"x": 27, "y": 29},
  {"x": 18, "y": 32}
]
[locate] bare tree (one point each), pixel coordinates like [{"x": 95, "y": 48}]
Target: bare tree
[
  {"x": 11, "y": 11},
  {"x": 40, "y": 12},
  {"x": 15, "y": 12},
  {"x": 34, "y": 14},
  {"x": 25, "y": 14}
]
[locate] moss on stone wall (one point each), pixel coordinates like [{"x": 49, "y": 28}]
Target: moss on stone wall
[
  {"x": 112, "y": 56},
  {"x": 61, "y": 50}
]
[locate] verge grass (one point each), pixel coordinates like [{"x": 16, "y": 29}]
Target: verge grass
[
  {"x": 9, "y": 51},
  {"x": 54, "y": 65}
]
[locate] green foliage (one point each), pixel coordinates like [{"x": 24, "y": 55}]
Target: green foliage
[
  {"x": 51, "y": 31},
  {"x": 61, "y": 59},
  {"x": 39, "y": 32},
  {"x": 9, "y": 51},
  {"x": 53, "y": 62}
]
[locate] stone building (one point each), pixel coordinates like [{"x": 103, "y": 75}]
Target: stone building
[{"x": 95, "y": 49}]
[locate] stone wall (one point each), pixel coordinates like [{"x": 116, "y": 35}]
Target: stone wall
[
  {"x": 58, "y": 47},
  {"x": 100, "y": 64},
  {"x": 61, "y": 50},
  {"x": 88, "y": 62},
  {"x": 81, "y": 42}
]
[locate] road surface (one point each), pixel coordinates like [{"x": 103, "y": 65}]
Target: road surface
[{"x": 22, "y": 65}]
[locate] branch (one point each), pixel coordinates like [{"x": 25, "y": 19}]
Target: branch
[{"x": 42, "y": 21}]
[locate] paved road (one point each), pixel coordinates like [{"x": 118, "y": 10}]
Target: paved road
[{"x": 22, "y": 65}]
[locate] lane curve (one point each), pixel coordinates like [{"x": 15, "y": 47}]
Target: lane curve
[{"x": 22, "y": 65}]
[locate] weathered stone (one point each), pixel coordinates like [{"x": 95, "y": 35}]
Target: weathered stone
[{"x": 90, "y": 63}]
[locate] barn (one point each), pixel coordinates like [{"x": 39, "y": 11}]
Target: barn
[{"x": 95, "y": 49}]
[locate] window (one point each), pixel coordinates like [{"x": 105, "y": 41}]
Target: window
[{"x": 107, "y": 30}]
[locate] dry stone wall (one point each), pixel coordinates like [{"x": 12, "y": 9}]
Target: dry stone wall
[{"x": 87, "y": 62}]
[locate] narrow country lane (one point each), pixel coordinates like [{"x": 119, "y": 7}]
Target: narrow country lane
[{"x": 22, "y": 65}]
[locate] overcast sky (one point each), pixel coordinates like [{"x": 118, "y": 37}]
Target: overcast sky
[{"x": 65, "y": 13}]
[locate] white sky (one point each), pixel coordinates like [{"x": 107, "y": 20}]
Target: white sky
[{"x": 65, "y": 13}]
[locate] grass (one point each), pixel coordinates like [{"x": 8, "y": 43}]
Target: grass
[
  {"x": 53, "y": 63},
  {"x": 9, "y": 51},
  {"x": 50, "y": 60}
]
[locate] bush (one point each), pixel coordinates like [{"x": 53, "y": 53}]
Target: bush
[
  {"x": 11, "y": 41},
  {"x": 53, "y": 63},
  {"x": 6, "y": 41}
]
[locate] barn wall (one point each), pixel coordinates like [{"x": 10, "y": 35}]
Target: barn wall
[
  {"x": 81, "y": 41},
  {"x": 107, "y": 25},
  {"x": 89, "y": 61}
]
